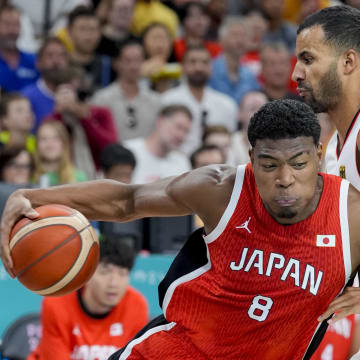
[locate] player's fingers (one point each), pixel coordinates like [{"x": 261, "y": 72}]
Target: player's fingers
[
  {"x": 350, "y": 302},
  {"x": 340, "y": 315},
  {"x": 5, "y": 252},
  {"x": 31, "y": 214}
]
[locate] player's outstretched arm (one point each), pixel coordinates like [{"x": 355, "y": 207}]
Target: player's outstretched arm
[
  {"x": 349, "y": 302},
  {"x": 114, "y": 201}
]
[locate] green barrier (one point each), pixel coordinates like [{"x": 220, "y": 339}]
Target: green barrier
[{"x": 16, "y": 300}]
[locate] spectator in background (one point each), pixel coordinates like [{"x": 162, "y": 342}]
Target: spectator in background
[
  {"x": 117, "y": 163},
  {"x": 217, "y": 10},
  {"x": 157, "y": 155},
  {"x": 119, "y": 15},
  {"x": 91, "y": 127},
  {"x": 154, "y": 11},
  {"x": 220, "y": 136},
  {"x": 257, "y": 26},
  {"x": 208, "y": 106},
  {"x": 158, "y": 47},
  {"x": 207, "y": 155},
  {"x": 53, "y": 162},
  {"x": 98, "y": 319},
  {"x": 279, "y": 30},
  {"x": 249, "y": 105},
  {"x": 276, "y": 71},
  {"x": 16, "y": 166},
  {"x": 228, "y": 75},
  {"x": 52, "y": 63},
  {"x": 84, "y": 32},
  {"x": 195, "y": 22},
  {"x": 17, "y": 120},
  {"x": 134, "y": 107},
  {"x": 17, "y": 68},
  {"x": 42, "y": 21}
]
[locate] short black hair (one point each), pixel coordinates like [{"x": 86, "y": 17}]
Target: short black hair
[
  {"x": 48, "y": 41},
  {"x": 184, "y": 10},
  {"x": 81, "y": 11},
  {"x": 113, "y": 250},
  {"x": 284, "y": 119},
  {"x": 191, "y": 48},
  {"x": 7, "y": 99},
  {"x": 129, "y": 41},
  {"x": 205, "y": 148},
  {"x": 8, "y": 154},
  {"x": 116, "y": 154},
  {"x": 341, "y": 26}
]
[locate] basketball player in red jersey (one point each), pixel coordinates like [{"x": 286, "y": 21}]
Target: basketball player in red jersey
[
  {"x": 280, "y": 242},
  {"x": 328, "y": 76}
]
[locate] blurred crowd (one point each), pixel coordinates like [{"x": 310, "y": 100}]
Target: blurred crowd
[{"x": 137, "y": 90}]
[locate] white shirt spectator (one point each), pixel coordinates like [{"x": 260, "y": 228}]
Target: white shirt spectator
[
  {"x": 150, "y": 168},
  {"x": 215, "y": 109}
]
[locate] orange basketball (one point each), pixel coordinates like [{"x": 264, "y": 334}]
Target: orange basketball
[{"x": 56, "y": 253}]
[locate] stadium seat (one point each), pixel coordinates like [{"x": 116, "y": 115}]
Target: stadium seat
[{"x": 21, "y": 337}]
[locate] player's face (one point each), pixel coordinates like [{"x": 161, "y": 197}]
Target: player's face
[
  {"x": 316, "y": 70},
  {"x": 106, "y": 287},
  {"x": 286, "y": 176}
]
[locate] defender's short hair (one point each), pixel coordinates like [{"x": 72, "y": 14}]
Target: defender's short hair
[
  {"x": 284, "y": 119},
  {"x": 341, "y": 26}
]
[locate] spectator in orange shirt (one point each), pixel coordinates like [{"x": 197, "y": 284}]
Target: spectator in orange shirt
[{"x": 98, "y": 319}]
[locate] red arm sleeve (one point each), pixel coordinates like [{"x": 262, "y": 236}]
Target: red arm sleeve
[{"x": 55, "y": 339}]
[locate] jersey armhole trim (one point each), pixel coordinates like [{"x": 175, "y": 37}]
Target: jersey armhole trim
[
  {"x": 220, "y": 227},
  {"x": 343, "y": 212}
]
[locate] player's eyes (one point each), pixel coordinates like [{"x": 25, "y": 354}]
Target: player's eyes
[
  {"x": 308, "y": 60},
  {"x": 268, "y": 166},
  {"x": 299, "y": 165}
]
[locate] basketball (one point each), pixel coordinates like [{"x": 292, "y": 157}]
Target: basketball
[{"x": 56, "y": 253}]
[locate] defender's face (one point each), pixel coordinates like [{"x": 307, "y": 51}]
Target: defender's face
[
  {"x": 286, "y": 174},
  {"x": 316, "y": 70}
]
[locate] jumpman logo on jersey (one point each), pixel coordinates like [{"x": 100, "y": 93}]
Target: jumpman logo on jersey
[{"x": 245, "y": 225}]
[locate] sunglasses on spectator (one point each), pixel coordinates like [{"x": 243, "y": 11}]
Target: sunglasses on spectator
[{"x": 131, "y": 120}]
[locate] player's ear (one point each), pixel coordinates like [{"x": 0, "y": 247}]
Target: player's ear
[{"x": 350, "y": 60}]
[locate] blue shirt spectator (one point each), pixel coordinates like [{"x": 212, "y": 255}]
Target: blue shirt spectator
[
  {"x": 220, "y": 80},
  {"x": 41, "y": 99},
  {"x": 17, "y": 68},
  {"x": 14, "y": 79}
]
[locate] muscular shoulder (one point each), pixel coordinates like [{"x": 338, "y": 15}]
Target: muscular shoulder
[{"x": 206, "y": 191}]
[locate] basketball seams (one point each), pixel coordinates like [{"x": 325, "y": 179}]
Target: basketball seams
[
  {"x": 75, "y": 268},
  {"x": 48, "y": 221},
  {"x": 64, "y": 242}
]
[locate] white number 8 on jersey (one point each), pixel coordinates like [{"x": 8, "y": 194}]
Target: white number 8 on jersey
[{"x": 260, "y": 303}]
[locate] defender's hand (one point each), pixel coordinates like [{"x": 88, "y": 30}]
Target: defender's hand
[
  {"x": 16, "y": 206},
  {"x": 346, "y": 304}
]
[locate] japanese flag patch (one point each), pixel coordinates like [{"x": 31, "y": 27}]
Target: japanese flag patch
[{"x": 325, "y": 240}]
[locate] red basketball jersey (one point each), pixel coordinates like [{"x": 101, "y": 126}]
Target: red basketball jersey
[{"x": 253, "y": 288}]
